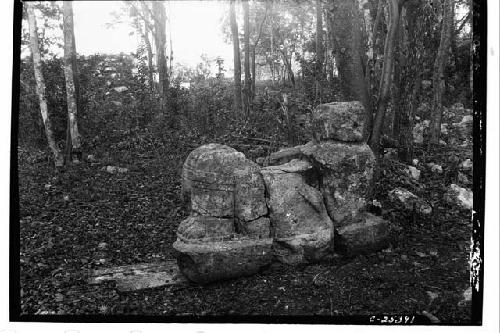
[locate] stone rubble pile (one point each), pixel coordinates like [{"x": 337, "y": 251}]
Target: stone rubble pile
[{"x": 307, "y": 203}]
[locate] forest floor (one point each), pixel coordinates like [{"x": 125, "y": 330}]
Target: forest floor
[{"x": 86, "y": 218}]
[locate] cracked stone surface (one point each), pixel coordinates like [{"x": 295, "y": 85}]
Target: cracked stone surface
[
  {"x": 300, "y": 224},
  {"x": 341, "y": 121},
  {"x": 346, "y": 176}
]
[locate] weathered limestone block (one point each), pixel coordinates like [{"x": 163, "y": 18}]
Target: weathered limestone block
[
  {"x": 285, "y": 155},
  {"x": 189, "y": 167},
  {"x": 224, "y": 183},
  {"x": 259, "y": 228},
  {"x": 205, "y": 228},
  {"x": 206, "y": 262},
  {"x": 459, "y": 195},
  {"x": 366, "y": 233},
  {"x": 304, "y": 248},
  {"x": 300, "y": 225},
  {"x": 410, "y": 201},
  {"x": 346, "y": 174},
  {"x": 342, "y": 121}
]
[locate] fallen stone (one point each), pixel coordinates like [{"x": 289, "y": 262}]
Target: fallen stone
[
  {"x": 366, "y": 233},
  {"x": 140, "y": 276},
  {"x": 346, "y": 175},
  {"x": 413, "y": 172},
  {"x": 284, "y": 156},
  {"x": 299, "y": 220},
  {"x": 466, "y": 165},
  {"x": 461, "y": 196},
  {"x": 115, "y": 169},
  {"x": 342, "y": 121},
  {"x": 302, "y": 167},
  {"x": 435, "y": 167},
  {"x": 120, "y": 89},
  {"x": 293, "y": 166},
  {"x": 410, "y": 201},
  {"x": 213, "y": 261}
]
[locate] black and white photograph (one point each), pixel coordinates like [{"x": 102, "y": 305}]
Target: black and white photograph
[{"x": 251, "y": 162}]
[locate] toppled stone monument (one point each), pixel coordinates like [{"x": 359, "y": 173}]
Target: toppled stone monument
[
  {"x": 302, "y": 229},
  {"x": 228, "y": 232},
  {"x": 306, "y": 203}
]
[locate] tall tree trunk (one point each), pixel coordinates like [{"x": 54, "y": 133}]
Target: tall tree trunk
[
  {"x": 287, "y": 70},
  {"x": 171, "y": 58},
  {"x": 160, "y": 18},
  {"x": 40, "y": 86},
  {"x": 248, "y": 79},
  {"x": 69, "y": 73},
  {"x": 319, "y": 50},
  {"x": 147, "y": 42},
  {"x": 236, "y": 57},
  {"x": 329, "y": 51},
  {"x": 252, "y": 91},
  {"x": 149, "y": 50},
  {"x": 345, "y": 22},
  {"x": 254, "y": 50},
  {"x": 398, "y": 78},
  {"x": 438, "y": 79},
  {"x": 386, "y": 78}
]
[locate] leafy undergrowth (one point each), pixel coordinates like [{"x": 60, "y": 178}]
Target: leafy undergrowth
[{"x": 87, "y": 218}]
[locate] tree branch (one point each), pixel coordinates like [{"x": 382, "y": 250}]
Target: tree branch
[
  {"x": 464, "y": 21},
  {"x": 260, "y": 30}
]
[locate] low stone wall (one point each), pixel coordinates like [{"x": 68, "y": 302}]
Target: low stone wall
[{"x": 306, "y": 203}]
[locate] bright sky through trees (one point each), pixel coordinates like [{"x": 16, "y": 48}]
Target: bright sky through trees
[{"x": 195, "y": 27}]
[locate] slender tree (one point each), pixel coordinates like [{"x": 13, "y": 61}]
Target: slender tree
[
  {"x": 438, "y": 79},
  {"x": 160, "y": 20},
  {"x": 40, "y": 85},
  {"x": 409, "y": 77},
  {"x": 386, "y": 77},
  {"x": 71, "y": 79},
  {"x": 319, "y": 50},
  {"x": 248, "y": 78},
  {"x": 236, "y": 56}
]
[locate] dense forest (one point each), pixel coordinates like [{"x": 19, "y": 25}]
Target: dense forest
[{"x": 102, "y": 140}]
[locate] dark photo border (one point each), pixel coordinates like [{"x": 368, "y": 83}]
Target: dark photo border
[{"x": 477, "y": 248}]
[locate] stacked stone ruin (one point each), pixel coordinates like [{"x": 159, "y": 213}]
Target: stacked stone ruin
[{"x": 305, "y": 204}]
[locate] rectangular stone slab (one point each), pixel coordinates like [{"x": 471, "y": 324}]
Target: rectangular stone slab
[
  {"x": 366, "y": 233},
  {"x": 140, "y": 276}
]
